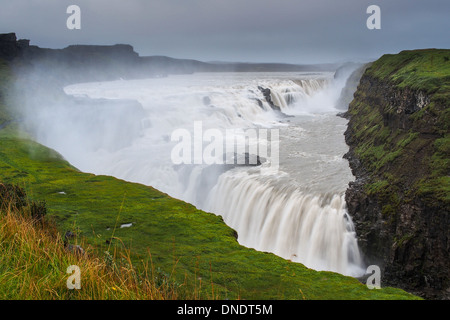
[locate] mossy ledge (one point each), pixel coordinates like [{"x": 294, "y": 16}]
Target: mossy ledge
[
  {"x": 199, "y": 252},
  {"x": 398, "y": 134}
]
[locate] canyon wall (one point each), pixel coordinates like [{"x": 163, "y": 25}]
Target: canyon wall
[{"x": 398, "y": 134}]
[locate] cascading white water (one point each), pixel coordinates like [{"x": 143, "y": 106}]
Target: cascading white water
[
  {"x": 274, "y": 216},
  {"x": 289, "y": 95},
  {"x": 297, "y": 212}
]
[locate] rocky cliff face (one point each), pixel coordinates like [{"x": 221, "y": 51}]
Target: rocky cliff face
[
  {"x": 398, "y": 134},
  {"x": 351, "y": 84},
  {"x": 10, "y": 47}
]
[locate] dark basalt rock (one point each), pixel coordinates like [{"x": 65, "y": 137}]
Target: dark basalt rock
[
  {"x": 10, "y": 48},
  {"x": 207, "y": 101},
  {"x": 266, "y": 93}
]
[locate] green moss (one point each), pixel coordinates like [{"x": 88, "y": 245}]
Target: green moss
[
  {"x": 402, "y": 143},
  {"x": 403, "y": 240},
  {"x": 377, "y": 157},
  {"x": 434, "y": 190},
  {"x": 388, "y": 210},
  {"x": 441, "y": 158},
  {"x": 376, "y": 187}
]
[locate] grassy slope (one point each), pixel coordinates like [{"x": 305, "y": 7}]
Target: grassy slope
[
  {"x": 195, "y": 247},
  {"x": 33, "y": 261}
]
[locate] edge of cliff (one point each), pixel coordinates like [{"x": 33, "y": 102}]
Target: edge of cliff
[{"x": 399, "y": 152}]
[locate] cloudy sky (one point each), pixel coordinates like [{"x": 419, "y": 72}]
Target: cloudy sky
[{"x": 293, "y": 31}]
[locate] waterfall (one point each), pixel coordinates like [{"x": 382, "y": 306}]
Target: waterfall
[
  {"x": 274, "y": 216},
  {"x": 297, "y": 212},
  {"x": 296, "y": 91}
]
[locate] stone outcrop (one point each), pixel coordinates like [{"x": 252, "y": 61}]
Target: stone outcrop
[
  {"x": 10, "y": 47},
  {"x": 268, "y": 97}
]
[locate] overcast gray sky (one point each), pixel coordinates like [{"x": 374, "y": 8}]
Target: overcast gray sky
[{"x": 293, "y": 31}]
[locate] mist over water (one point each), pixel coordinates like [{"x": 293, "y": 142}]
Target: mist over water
[{"x": 297, "y": 212}]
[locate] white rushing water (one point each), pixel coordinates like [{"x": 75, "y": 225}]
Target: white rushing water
[{"x": 297, "y": 211}]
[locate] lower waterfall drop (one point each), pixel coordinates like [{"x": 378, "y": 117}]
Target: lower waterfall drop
[{"x": 271, "y": 215}]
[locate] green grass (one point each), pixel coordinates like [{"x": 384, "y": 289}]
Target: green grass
[
  {"x": 427, "y": 70},
  {"x": 197, "y": 249},
  {"x": 34, "y": 261}
]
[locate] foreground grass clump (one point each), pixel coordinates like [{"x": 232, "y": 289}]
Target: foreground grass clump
[
  {"x": 34, "y": 259},
  {"x": 191, "y": 250}
]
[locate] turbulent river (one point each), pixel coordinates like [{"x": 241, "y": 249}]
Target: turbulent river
[{"x": 295, "y": 209}]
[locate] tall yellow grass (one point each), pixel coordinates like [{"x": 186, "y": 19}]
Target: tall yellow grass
[{"x": 34, "y": 262}]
